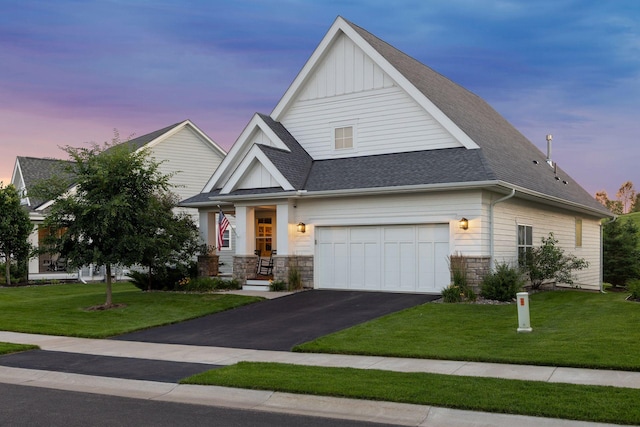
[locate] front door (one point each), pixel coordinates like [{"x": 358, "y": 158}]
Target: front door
[{"x": 265, "y": 228}]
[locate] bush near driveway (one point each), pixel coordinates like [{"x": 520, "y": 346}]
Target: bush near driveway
[{"x": 570, "y": 328}]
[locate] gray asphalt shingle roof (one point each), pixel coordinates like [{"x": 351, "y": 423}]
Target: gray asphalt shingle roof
[
  {"x": 504, "y": 156},
  {"x": 36, "y": 169},
  {"x": 507, "y": 152}
]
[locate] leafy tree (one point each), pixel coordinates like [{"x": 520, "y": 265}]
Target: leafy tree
[
  {"x": 621, "y": 255},
  {"x": 173, "y": 238},
  {"x": 15, "y": 228},
  {"x": 549, "y": 262},
  {"x": 615, "y": 206},
  {"x": 635, "y": 207},
  {"x": 105, "y": 218},
  {"x": 626, "y": 195}
]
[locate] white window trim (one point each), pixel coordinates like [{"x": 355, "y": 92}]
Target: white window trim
[
  {"x": 229, "y": 229},
  {"x": 344, "y": 124},
  {"x": 518, "y": 245}
]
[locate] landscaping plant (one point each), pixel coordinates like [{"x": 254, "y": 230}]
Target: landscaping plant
[
  {"x": 621, "y": 257},
  {"x": 549, "y": 262},
  {"x": 503, "y": 283}
]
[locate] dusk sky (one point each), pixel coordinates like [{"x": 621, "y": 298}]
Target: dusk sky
[{"x": 71, "y": 70}]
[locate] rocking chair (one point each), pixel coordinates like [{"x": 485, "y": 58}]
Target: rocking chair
[{"x": 265, "y": 265}]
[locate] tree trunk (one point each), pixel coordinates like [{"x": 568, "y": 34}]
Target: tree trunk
[
  {"x": 7, "y": 269},
  {"x": 109, "y": 301}
]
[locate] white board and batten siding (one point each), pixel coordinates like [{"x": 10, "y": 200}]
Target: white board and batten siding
[
  {"x": 543, "y": 220},
  {"x": 348, "y": 89},
  {"x": 380, "y": 243}
]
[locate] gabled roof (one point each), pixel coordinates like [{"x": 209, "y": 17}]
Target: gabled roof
[
  {"x": 507, "y": 153},
  {"x": 495, "y": 154},
  {"x": 150, "y": 139},
  {"x": 294, "y": 164},
  {"x": 34, "y": 170}
]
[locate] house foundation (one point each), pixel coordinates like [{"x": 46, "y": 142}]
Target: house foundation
[
  {"x": 477, "y": 268},
  {"x": 244, "y": 267}
]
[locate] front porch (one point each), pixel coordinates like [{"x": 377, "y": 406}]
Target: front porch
[{"x": 264, "y": 233}]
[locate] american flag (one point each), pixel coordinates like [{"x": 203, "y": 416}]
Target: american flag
[{"x": 223, "y": 224}]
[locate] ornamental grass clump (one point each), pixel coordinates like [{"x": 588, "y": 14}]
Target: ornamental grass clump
[{"x": 459, "y": 290}]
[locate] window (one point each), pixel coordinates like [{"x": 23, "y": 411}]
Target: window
[
  {"x": 226, "y": 239},
  {"x": 578, "y": 233},
  {"x": 525, "y": 242},
  {"x": 343, "y": 137}
]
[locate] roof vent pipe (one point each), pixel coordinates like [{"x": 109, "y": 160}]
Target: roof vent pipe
[{"x": 549, "y": 139}]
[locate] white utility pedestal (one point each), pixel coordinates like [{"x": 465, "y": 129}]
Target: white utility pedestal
[{"x": 524, "y": 324}]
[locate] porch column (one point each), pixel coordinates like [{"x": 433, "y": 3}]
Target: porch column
[
  {"x": 207, "y": 227},
  {"x": 245, "y": 230},
  {"x": 283, "y": 239}
]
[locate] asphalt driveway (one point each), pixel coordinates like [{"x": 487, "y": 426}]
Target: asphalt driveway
[{"x": 282, "y": 323}]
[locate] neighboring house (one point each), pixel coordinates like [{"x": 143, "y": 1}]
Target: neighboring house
[
  {"x": 369, "y": 167},
  {"x": 178, "y": 147}
]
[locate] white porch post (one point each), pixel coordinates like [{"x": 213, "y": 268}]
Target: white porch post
[
  {"x": 207, "y": 227},
  {"x": 245, "y": 230},
  {"x": 34, "y": 263},
  {"x": 283, "y": 225}
]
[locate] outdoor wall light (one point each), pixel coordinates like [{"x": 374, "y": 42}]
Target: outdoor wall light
[
  {"x": 302, "y": 227},
  {"x": 464, "y": 223}
]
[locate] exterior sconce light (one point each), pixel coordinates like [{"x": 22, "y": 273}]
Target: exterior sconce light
[
  {"x": 464, "y": 223},
  {"x": 302, "y": 227}
]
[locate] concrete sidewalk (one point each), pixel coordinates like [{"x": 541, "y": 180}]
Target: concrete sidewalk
[{"x": 383, "y": 412}]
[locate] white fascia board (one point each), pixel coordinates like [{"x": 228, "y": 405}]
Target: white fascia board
[
  {"x": 239, "y": 150},
  {"x": 72, "y": 190},
  {"x": 308, "y": 67},
  {"x": 255, "y": 154},
  {"x": 17, "y": 170},
  {"x": 341, "y": 26},
  {"x": 178, "y": 128},
  {"x": 164, "y": 136},
  {"x": 205, "y": 137}
]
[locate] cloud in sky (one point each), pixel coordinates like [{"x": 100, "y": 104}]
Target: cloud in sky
[{"x": 72, "y": 71}]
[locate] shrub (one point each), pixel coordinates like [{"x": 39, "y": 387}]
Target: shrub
[
  {"x": 295, "y": 279},
  {"x": 503, "y": 283},
  {"x": 549, "y": 262},
  {"x": 452, "y": 294},
  {"x": 633, "y": 286},
  {"x": 277, "y": 286},
  {"x": 19, "y": 272}
]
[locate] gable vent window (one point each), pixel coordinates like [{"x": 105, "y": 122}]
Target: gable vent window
[{"x": 343, "y": 137}]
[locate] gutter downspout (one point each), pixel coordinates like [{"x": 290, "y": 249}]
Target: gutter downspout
[
  {"x": 491, "y": 238},
  {"x": 602, "y": 253}
]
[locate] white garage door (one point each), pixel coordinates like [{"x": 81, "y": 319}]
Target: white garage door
[{"x": 396, "y": 258}]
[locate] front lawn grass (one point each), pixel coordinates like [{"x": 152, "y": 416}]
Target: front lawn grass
[
  {"x": 555, "y": 400},
  {"x": 61, "y": 309},
  {"x": 6, "y": 348},
  {"x": 570, "y": 328}
]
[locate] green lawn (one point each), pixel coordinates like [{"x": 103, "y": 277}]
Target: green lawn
[
  {"x": 570, "y": 328},
  {"x": 61, "y": 309},
  {"x": 590, "y": 403},
  {"x": 6, "y": 348}
]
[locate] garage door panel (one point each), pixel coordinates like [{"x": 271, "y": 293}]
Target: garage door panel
[
  {"x": 442, "y": 274},
  {"x": 365, "y": 265},
  {"x": 406, "y": 258}
]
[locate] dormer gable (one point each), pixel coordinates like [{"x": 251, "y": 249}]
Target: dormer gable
[
  {"x": 256, "y": 133},
  {"x": 347, "y": 80}
]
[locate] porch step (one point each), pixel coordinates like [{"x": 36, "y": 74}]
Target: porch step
[{"x": 256, "y": 285}]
